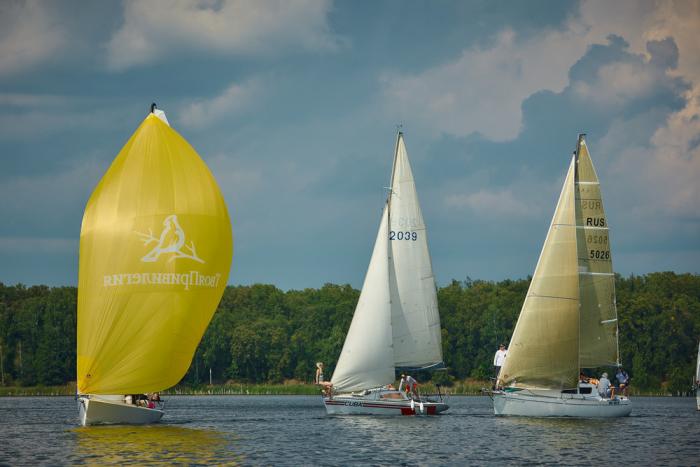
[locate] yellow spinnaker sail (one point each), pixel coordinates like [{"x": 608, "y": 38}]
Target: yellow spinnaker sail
[{"x": 155, "y": 253}]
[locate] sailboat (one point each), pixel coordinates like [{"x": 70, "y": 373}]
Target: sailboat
[
  {"x": 155, "y": 253},
  {"x": 396, "y": 324},
  {"x": 568, "y": 321}
]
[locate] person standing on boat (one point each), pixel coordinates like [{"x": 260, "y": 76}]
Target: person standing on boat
[
  {"x": 412, "y": 387},
  {"x": 623, "y": 380},
  {"x": 604, "y": 386},
  {"x": 498, "y": 360},
  {"x": 402, "y": 382},
  {"x": 319, "y": 373},
  {"x": 326, "y": 386}
]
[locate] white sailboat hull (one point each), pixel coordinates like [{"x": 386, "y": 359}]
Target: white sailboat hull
[
  {"x": 94, "y": 411},
  {"x": 338, "y": 406},
  {"x": 556, "y": 404},
  {"x": 376, "y": 403}
]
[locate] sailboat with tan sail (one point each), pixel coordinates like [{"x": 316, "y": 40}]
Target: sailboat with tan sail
[
  {"x": 155, "y": 253},
  {"x": 568, "y": 321}
]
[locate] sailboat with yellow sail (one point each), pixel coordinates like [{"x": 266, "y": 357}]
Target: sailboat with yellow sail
[
  {"x": 568, "y": 321},
  {"x": 155, "y": 253}
]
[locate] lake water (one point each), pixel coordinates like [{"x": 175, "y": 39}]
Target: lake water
[{"x": 294, "y": 430}]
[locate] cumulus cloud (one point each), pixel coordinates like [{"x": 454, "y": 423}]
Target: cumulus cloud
[
  {"x": 158, "y": 28},
  {"x": 663, "y": 172},
  {"x": 234, "y": 99},
  {"x": 28, "y": 35},
  {"x": 483, "y": 90}
]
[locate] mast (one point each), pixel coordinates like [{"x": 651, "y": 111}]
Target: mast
[
  {"x": 580, "y": 138},
  {"x": 389, "y": 250},
  {"x": 399, "y": 135}
]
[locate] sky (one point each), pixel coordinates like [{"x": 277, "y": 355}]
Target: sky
[{"x": 294, "y": 106}]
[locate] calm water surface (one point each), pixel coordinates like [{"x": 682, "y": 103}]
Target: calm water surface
[{"x": 294, "y": 430}]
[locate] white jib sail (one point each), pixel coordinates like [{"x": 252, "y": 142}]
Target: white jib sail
[
  {"x": 367, "y": 359},
  {"x": 415, "y": 321}
]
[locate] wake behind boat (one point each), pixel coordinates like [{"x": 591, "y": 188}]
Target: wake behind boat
[
  {"x": 155, "y": 253},
  {"x": 568, "y": 321},
  {"x": 396, "y": 322}
]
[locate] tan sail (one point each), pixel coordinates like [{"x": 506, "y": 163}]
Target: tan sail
[
  {"x": 543, "y": 351},
  {"x": 598, "y": 315}
]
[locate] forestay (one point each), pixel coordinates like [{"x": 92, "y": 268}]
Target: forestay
[{"x": 155, "y": 253}]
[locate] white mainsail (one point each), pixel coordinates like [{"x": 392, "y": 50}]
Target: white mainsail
[
  {"x": 396, "y": 321},
  {"x": 568, "y": 320},
  {"x": 414, "y": 311}
]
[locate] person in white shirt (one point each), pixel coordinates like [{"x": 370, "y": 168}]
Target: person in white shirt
[
  {"x": 411, "y": 385},
  {"x": 604, "y": 386},
  {"x": 498, "y": 360}
]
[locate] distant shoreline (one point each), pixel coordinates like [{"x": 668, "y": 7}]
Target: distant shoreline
[{"x": 464, "y": 388}]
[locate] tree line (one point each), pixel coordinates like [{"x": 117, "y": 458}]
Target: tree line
[{"x": 263, "y": 334}]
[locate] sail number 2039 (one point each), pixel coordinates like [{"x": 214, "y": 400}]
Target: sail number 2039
[{"x": 403, "y": 235}]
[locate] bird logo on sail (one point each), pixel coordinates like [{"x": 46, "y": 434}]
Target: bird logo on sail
[{"x": 170, "y": 241}]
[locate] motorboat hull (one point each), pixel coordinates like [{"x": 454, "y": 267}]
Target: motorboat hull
[
  {"x": 527, "y": 403},
  {"x": 95, "y": 411},
  {"x": 373, "y": 403}
]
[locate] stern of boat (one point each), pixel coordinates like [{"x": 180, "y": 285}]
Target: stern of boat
[{"x": 100, "y": 410}]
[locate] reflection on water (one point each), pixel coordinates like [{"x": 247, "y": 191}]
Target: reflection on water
[{"x": 151, "y": 444}]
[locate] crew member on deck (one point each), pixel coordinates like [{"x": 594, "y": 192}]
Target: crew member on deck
[
  {"x": 498, "y": 360},
  {"x": 326, "y": 386},
  {"x": 604, "y": 386}
]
